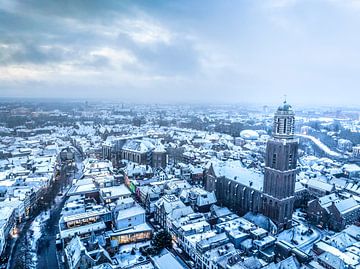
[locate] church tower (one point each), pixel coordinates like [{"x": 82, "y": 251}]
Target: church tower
[{"x": 280, "y": 168}]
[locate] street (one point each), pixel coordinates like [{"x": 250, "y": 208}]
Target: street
[{"x": 43, "y": 252}]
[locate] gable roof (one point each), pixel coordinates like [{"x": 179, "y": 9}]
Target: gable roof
[{"x": 346, "y": 206}]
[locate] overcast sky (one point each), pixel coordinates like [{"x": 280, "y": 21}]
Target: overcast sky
[{"x": 182, "y": 51}]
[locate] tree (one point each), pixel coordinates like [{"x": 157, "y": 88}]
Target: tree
[{"x": 162, "y": 240}]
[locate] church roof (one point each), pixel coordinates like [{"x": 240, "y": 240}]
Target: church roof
[
  {"x": 285, "y": 107},
  {"x": 141, "y": 146},
  {"x": 234, "y": 170}
]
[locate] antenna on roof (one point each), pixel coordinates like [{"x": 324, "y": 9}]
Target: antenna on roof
[{"x": 285, "y": 96}]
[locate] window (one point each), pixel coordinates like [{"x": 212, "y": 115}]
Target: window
[{"x": 274, "y": 160}]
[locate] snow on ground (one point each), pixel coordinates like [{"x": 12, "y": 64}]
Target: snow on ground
[
  {"x": 321, "y": 145},
  {"x": 35, "y": 233},
  {"x": 298, "y": 236},
  {"x": 124, "y": 256}
]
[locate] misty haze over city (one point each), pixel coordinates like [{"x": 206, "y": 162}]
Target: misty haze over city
[{"x": 182, "y": 51}]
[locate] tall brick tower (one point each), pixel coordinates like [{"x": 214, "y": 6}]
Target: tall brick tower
[{"x": 280, "y": 168}]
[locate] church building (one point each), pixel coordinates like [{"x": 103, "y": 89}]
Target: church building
[{"x": 271, "y": 194}]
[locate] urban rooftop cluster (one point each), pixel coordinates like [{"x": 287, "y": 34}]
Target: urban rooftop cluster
[{"x": 86, "y": 185}]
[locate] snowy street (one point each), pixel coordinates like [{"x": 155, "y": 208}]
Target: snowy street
[{"x": 35, "y": 247}]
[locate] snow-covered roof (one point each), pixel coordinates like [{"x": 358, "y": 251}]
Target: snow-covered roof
[
  {"x": 97, "y": 226},
  {"x": 353, "y": 187},
  {"x": 85, "y": 215},
  {"x": 130, "y": 212},
  {"x": 166, "y": 261},
  {"x": 6, "y": 212},
  {"x": 138, "y": 169},
  {"x": 353, "y": 231},
  {"x": 249, "y": 134},
  {"x": 74, "y": 250},
  {"x": 351, "y": 167},
  {"x": 159, "y": 148},
  {"x": 331, "y": 259},
  {"x": 141, "y": 146},
  {"x": 261, "y": 221},
  {"x": 327, "y": 200},
  {"x": 341, "y": 241},
  {"x": 319, "y": 185},
  {"x": 143, "y": 227},
  {"x": 299, "y": 187},
  {"x": 347, "y": 206},
  {"x": 235, "y": 170},
  {"x": 115, "y": 191}
]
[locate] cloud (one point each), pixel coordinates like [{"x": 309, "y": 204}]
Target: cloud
[
  {"x": 172, "y": 51},
  {"x": 145, "y": 32},
  {"x": 117, "y": 58}
]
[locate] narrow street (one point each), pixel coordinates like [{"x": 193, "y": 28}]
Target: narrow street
[
  {"x": 46, "y": 249},
  {"x": 33, "y": 250}
]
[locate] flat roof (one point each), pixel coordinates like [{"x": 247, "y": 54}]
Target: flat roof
[
  {"x": 131, "y": 211},
  {"x": 83, "y": 229},
  {"x": 116, "y": 191},
  {"x": 144, "y": 227},
  {"x": 84, "y": 215},
  {"x": 167, "y": 261}
]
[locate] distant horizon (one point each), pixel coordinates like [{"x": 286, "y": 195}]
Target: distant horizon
[{"x": 117, "y": 101}]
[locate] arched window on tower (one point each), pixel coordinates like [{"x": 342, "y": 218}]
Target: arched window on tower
[{"x": 274, "y": 160}]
